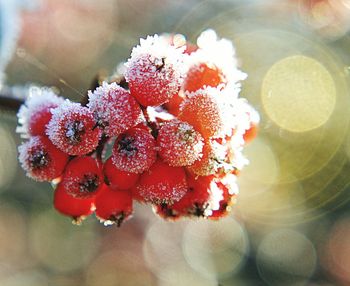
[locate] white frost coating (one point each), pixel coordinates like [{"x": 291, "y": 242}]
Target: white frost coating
[
  {"x": 215, "y": 196},
  {"x": 158, "y": 64},
  {"x": 38, "y": 98},
  {"x": 230, "y": 182},
  {"x": 221, "y": 53},
  {"x": 115, "y": 107}
]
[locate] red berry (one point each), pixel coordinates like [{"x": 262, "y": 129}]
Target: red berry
[
  {"x": 119, "y": 179},
  {"x": 154, "y": 71},
  {"x": 114, "y": 108},
  {"x": 179, "y": 144},
  {"x": 208, "y": 164},
  {"x": 203, "y": 74},
  {"x": 113, "y": 206},
  {"x": 82, "y": 177},
  {"x": 173, "y": 106},
  {"x": 41, "y": 160},
  {"x": 162, "y": 184},
  {"x": 70, "y": 206},
  {"x": 35, "y": 113},
  {"x": 251, "y": 133},
  {"x": 72, "y": 129},
  {"x": 202, "y": 111},
  {"x": 134, "y": 151}
]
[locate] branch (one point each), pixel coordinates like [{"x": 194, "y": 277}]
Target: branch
[{"x": 9, "y": 102}]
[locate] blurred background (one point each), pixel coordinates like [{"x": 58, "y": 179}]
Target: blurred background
[{"x": 291, "y": 225}]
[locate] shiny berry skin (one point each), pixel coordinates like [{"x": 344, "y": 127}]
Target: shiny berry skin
[
  {"x": 203, "y": 74},
  {"x": 179, "y": 144},
  {"x": 82, "y": 177},
  {"x": 115, "y": 110},
  {"x": 113, "y": 206},
  {"x": 202, "y": 111},
  {"x": 154, "y": 71},
  {"x": 134, "y": 151},
  {"x": 72, "y": 129},
  {"x": 119, "y": 179},
  {"x": 41, "y": 160},
  {"x": 70, "y": 206},
  {"x": 162, "y": 184}
]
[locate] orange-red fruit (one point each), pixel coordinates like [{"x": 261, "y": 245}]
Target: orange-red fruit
[
  {"x": 162, "y": 184},
  {"x": 115, "y": 110},
  {"x": 225, "y": 204},
  {"x": 134, "y": 151},
  {"x": 70, "y": 206},
  {"x": 195, "y": 201},
  {"x": 82, "y": 177},
  {"x": 207, "y": 165},
  {"x": 201, "y": 75},
  {"x": 173, "y": 106},
  {"x": 41, "y": 160},
  {"x": 72, "y": 129},
  {"x": 251, "y": 133},
  {"x": 117, "y": 178},
  {"x": 113, "y": 206},
  {"x": 202, "y": 111},
  {"x": 38, "y": 121},
  {"x": 179, "y": 144},
  {"x": 152, "y": 81}
]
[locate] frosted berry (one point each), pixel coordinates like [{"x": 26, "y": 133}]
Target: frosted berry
[
  {"x": 162, "y": 184},
  {"x": 67, "y": 205},
  {"x": 82, "y": 177},
  {"x": 35, "y": 114},
  {"x": 202, "y": 75},
  {"x": 41, "y": 160},
  {"x": 72, "y": 129},
  {"x": 155, "y": 71},
  {"x": 113, "y": 206},
  {"x": 179, "y": 144},
  {"x": 119, "y": 179},
  {"x": 207, "y": 164},
  {"x": 194, "y": 203},
  {"x": 115, "y": 110},
  {"x": 202, "y": 110},
  {"x": 173, "y": 106},
  {"x": 134, "y": 151},
  {"x": 251, "y": 133}
]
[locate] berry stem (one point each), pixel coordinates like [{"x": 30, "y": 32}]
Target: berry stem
[
  {"x": 151, "y": 124},
  {"x": 9, "y": 102}
]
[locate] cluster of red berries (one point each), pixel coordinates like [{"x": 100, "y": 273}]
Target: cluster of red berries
[{"x": 175, "y": 124}]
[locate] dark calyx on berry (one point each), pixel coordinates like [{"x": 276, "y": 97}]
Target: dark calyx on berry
[
  {"x": 126, "y": 145},
  {"x": 39, "y": 159},
  {"x": 117, "y": 218},
  {"x": 167, "y": 211},
  {"x": 160, "y": 65},
  {"x": 89, "y": 184},
  {"x": 74, "y": 131},
  {"x": 198, "y": 210}
]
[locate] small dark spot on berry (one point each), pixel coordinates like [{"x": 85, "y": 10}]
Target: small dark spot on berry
[
  {"x": 39, "y": 159},
  {"x": 126, "y": 146},
  {"x": 74, "y": 131},
  {"x": 160, "y": 66},
  {"x": 117, "y": 218},
  {"x": 89, "y": 184}
]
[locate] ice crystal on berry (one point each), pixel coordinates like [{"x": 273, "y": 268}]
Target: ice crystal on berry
[{"x": 176, "y": 125}]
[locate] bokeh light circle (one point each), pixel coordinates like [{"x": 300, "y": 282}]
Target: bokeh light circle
[
  {"x": 298, "y": 93},
  {"x": 286, "y": 257}
]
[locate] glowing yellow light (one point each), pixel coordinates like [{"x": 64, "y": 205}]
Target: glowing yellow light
[{"x": 298, "y": 93}]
